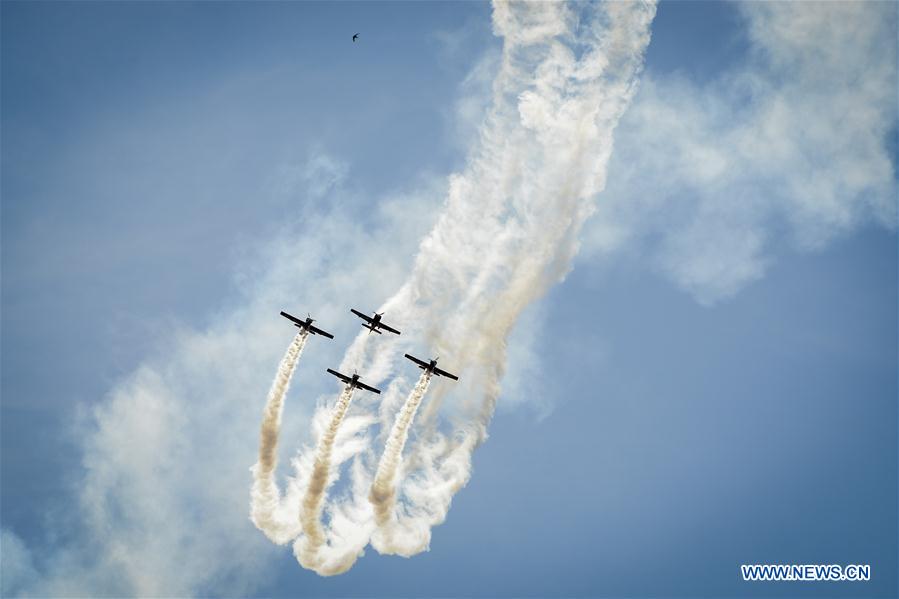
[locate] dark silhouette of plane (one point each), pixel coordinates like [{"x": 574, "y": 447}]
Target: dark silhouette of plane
[
  {"x": 432, "y": 367},
  {"x": 306, "y": 325},
  {"x": 354, "y": 381},
  {"x": 355, "y": 36},
  {"x": 373, "y": 323}
]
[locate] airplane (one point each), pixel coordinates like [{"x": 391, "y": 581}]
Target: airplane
[
  {"x": 373, "y": 323},
  {"x": 432, "y": 367},
  {"x": 306, "y": 325},
  {"x": 355, "y": 36},
  {"x": 354, "y": 381}
]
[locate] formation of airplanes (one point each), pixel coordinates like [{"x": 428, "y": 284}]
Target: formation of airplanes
[{"x": 374, "y": 325}]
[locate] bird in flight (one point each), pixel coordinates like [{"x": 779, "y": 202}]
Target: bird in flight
[{"x": 355, "y": 36}]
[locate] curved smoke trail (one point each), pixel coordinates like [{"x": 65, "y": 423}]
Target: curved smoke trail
[
  {"x": 383, "y": 489},
  {"x": 266, "y": 509},
  {"x": 508, "y": 232},
  {"x": 307, "y": 550},
  {"x": 510, "y": 228}
]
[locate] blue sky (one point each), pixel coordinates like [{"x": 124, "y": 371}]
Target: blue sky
[{"x": 714, "y": 383}]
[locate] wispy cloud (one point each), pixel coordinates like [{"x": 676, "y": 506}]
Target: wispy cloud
[
  {"x": 508, "y": 232},
  {"x": 701, "y": 179},
  {"x": 161, "y": 508},
  {"x": 707, "y": 177},
  {"x": 16, "y": 566}
]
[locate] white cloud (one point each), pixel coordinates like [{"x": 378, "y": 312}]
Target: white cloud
[
  {"x": 162, "y": 507},
  {"x": 699, "y": 175},
  {"x": 314, "y": 178},
  {"x": 704, "y": 177},
  {"x": 16, "y": 567},
  {"x": 475, "y": 93},
  {"x": 508, "y": 232}
]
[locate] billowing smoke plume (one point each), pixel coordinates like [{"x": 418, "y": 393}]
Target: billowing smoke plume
[
  {"x": 511, "y": 225},
  {"x": 307, "y": 552},
  {"x": 276, "y": 520},
  {"x": 508, "y": 232},
  {"x": 383, "y": 489}
]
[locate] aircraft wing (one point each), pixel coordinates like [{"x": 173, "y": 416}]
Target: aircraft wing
[
  {"x": 342, "y": 377},
  {"x": 387, "y": 328},
  {"x": 446, "y": 374},
  {"x": 291, "y": 318},
  {"x": 318, "y": 331},
  {"x": 361, "y": 315},
  {"x": 417, "y": 361},
  {"x": 367, "y": 388}
]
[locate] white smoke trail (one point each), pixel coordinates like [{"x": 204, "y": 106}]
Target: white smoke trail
[
  {"x": 308, "y": 547},
  {"x": 266, "y": 509},
  {"x": 383, "y": 489},
  {"x": 508, "y": 232},
  {"x": 512, "y": 220}
]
